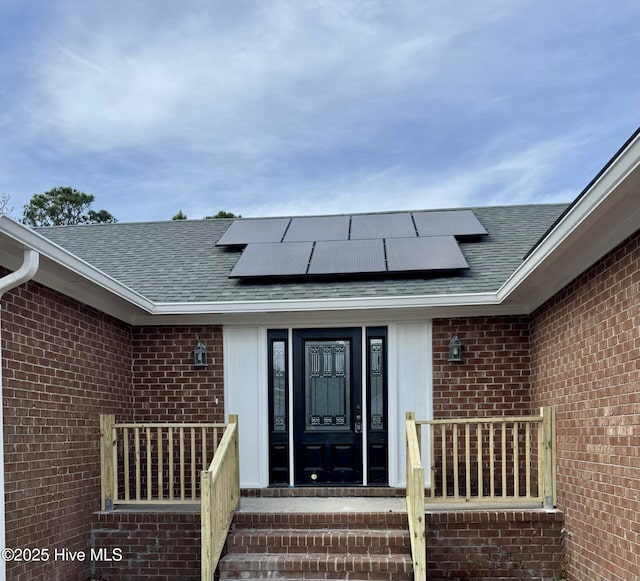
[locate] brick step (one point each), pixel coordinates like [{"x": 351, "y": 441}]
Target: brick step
[
  {"x": 320, "y": 541},
  {"x": 248, "y": 566},
  {"x": 320, "y": 520}
]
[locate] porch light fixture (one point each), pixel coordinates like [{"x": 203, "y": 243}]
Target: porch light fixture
[
  {"x": 200, "y": 354},
  {"x": 455, "y": 350}
]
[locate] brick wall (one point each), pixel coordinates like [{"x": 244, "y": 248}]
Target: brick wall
[
  {"x": 166, "y": 385},
  {"x": 494, "y": 378},
  {"x": 63, "y": 365},
  {"x": 586, "y": 362},
  {"x": 509, "y": 545},
  {"x": 163, "y": 546}
]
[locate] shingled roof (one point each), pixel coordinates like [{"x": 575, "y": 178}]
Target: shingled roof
[{"x": 179, "y": 262}]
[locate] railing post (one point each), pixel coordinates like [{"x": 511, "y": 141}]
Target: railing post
[
  {"x": 418, "y": 516},
  {"x": 205, "y": 527},
  {"x": 107, "y": 469},
  {"x": 410, "y": 425},
  {"x": 548, "y": 464},
  {"x": 233, "y": 419},
  {"x": 415, "y": 500}
]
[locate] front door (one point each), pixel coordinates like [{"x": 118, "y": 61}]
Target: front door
[{"x": 327, "y": 398}]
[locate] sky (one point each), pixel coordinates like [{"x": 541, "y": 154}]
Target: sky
[{"x": 298, "y": 107}]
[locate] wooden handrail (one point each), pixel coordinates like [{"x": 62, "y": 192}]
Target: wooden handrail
[
  {"x": 154, "y": 463},
  {"x": 220, "y": 489},
  {"x": 415, "y": 499},
  {"x": 493, "y": 460},
  {"x": 165, "y": 457}
]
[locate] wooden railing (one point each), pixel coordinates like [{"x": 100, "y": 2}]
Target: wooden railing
[
  {"x": 415, "y": 499},
  {"x": 477, "y": 462},
  {"x": 493, "y": 460},
  {"x": 154, "y": 463},
  {"x": 220, "y": 486}
]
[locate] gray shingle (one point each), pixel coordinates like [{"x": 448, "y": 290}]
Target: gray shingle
[{"x": 178, "y": 261}]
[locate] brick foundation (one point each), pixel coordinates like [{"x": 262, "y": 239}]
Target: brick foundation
[
  {"x": 156, "y": 546},
  {"x": 509, "y": 545},
  {"x": 470, "y": 545}
]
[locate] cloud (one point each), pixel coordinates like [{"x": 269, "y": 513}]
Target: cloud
[
  {"x": 305, "y": 73},
  {"x": 326, "y": 105},
  {"x": 498, "y": 178}
]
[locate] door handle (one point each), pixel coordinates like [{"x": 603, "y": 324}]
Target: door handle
[{"x": 358, "y": 426}]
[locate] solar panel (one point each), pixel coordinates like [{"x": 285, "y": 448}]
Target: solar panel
[
  {"x": 431, "y": 253},
  {"x": 382, "y": 226},
  {"x": 250, "y": 231},
  {"x": 318, "y": 228},
  {"x": 273, "y": 259},
  {"x": 348, "y": 257},
  {"x": 452, "y": 222}
]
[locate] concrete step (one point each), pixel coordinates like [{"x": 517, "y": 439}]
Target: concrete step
[
  {"x": 368, "y": 542},
  {"x": 307, "y": 567}
]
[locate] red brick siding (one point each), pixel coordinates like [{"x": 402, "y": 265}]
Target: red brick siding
[
  {"x": 494, "y": 378},
  {"x": 163, "y": 546},
  {"x": 586, "y": 362},
  {"x": 63, "y": 365},
  {"x": 166, "y": 385},
  {"x": 509, "y": 545}
]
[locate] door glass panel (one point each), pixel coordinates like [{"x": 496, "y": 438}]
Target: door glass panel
[
  {"x": 327, "y": 385},
  {"x": 376, "y": 383},
  {"x": 279, "y": 387}
]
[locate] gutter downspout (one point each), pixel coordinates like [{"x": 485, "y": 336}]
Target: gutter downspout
[{"x": 25, "y": 273}]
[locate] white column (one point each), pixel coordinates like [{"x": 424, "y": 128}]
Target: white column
[
  {"x": 410, "y": 389},
  {"x": 246, "y": 394}
]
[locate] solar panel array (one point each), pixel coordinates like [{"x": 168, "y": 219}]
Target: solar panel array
[{"x": 405, "y": 242}]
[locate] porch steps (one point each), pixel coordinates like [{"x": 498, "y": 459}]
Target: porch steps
[{"x": 294, "y": 544}]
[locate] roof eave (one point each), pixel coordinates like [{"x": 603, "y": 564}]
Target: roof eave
[
  {"x": 605, "y": 214},
  {"x": 62, "y": 271}
]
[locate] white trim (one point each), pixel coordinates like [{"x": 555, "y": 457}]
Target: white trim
[
  {"x": 364, "y": 412},
  {"x": 393, "y": 426},
  {"x": 338, "y": 304},
  {"x": 292, "y": 456}
]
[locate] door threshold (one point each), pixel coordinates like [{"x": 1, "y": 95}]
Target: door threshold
[{"x": 324, "y": 491}]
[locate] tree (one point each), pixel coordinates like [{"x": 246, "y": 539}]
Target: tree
[
  {"x": 180, "y": 216},
  {"x": 63, "y": 206},
  {"x": 5, "y": 208},
  {"x": 222, "y": 214}
]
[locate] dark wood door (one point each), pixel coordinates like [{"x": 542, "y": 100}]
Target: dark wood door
[{"x": 327, "y": 395}]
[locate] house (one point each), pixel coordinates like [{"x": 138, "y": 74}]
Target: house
[{"x": 543, "y": 299}]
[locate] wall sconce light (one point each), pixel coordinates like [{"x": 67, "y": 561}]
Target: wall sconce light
[
  {"x": 200, "y": 354},
  {"x": 455, "y": 350}
]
